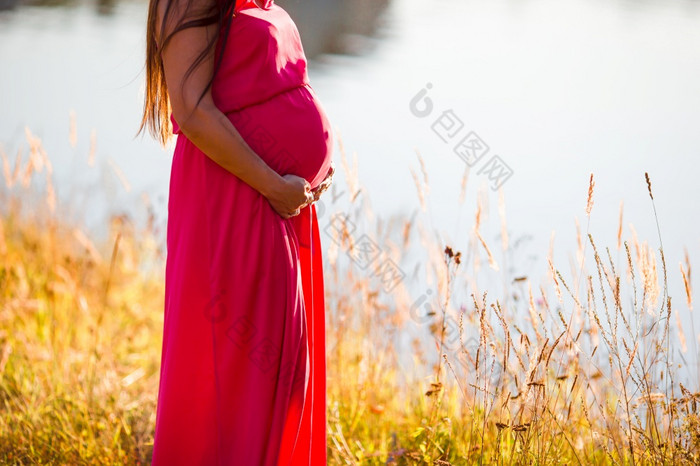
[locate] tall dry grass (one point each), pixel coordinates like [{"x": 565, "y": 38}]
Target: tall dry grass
[
  {"x": 79, "y": 327},
  {"x": 576, "y": 369}
]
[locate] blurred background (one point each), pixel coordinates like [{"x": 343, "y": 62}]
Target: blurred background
[{"x": 557, "y": 89}]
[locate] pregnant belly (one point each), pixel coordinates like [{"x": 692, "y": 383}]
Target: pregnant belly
[{"x": 290, "y": 132}]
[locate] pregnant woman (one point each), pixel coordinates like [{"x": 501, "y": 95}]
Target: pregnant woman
[{"x": 243, "y": 374}]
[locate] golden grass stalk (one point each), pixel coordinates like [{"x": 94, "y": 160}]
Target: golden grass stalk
[
  {"x": 589, "y": 201},
  {"x": 120, "y": 175}
]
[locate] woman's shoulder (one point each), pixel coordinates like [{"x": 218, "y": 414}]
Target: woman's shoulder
[{"x": 178, "y": 12}]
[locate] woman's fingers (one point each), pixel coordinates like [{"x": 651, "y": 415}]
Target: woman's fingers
[
  {"x": 291, "y": 205},
  {"x": 325, "y": 184},
  {"x": 309, "y": 198},
  {"x": 321, "y": 188}
]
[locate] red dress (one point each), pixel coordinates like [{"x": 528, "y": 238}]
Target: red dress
[{"x": 243, "y": 373}]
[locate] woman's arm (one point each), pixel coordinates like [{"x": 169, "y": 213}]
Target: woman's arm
[{"x": 209, "y": 129}]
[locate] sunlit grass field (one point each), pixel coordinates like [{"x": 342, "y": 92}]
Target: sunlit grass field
[{"x": 574, "y": 370}]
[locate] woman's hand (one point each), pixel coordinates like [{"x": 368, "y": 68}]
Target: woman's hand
[
  {"x": 291, "y": 195},
  {"x": 295, "y": 193},
  {"x": 325, "y": 184}
]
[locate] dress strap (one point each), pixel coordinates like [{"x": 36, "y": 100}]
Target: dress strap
[{"x": 240, "y": 4}]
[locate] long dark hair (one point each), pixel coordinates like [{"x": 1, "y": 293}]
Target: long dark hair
[{"x": 156, "y": 106}]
